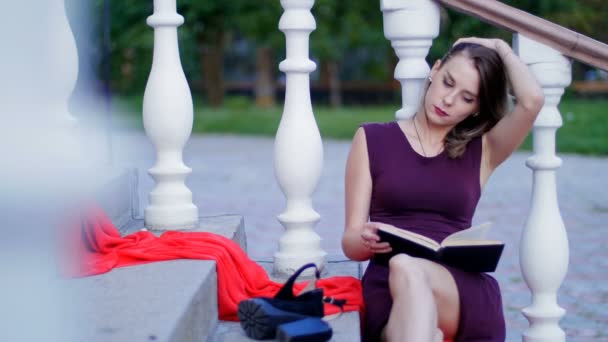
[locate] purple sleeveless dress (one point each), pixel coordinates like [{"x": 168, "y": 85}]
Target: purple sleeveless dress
[{"x": 435, "y": 197}]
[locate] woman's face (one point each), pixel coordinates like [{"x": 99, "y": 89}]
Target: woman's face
[{"x": 453, "y": 94}]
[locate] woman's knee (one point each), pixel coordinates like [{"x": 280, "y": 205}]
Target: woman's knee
[
  {"x": 404, "y": 264},
  {"x": 405, "y": 270}
]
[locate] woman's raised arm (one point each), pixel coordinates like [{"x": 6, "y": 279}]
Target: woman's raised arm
[{"x": 512, "y": 129}]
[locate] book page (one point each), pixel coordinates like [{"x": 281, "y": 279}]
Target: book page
[
  {"x": 475, "y": 233},
  {"x": 405, "y": 234}
]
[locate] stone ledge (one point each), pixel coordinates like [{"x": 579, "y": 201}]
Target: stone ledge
[
  {"x": 171, "y": 301},
  {"x": 230, "y": 226},
  {"x": 160, "y": 301},
  {"x": 345, "y": 329}
]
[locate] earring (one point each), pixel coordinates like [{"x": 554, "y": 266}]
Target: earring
[
  {"x": 475, "y": 114},
  {"x": 430, "y": 79}
]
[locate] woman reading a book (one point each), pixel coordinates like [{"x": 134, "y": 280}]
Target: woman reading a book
[{"x": 425, "y": 175}]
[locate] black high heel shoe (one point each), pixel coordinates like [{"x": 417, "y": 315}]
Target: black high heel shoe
[{"x": 260, "y": 317}]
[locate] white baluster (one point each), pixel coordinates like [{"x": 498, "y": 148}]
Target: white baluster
[
  {"x": 298, "y": 150},
  {"x": 544, "y": 243},
  {"x": 411, "y": 26},
  {"x": 168, "y": 119}
]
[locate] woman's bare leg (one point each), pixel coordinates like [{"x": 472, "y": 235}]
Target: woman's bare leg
[{"x": 418, "y": 288}]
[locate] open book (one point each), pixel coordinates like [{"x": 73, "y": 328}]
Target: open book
[{"x": 466, "y": 249}]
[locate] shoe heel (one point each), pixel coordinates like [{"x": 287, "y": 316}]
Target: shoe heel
[{"x": 305, "y": 330}]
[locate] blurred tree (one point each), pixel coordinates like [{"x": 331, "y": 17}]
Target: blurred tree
[
  {"x": 210, "y": 22},
  {"x": 348, "y": 39},
  {"x": 588, "y": 17},
  {"x": 130, "y": 44},
  {"x": 341, "y": 28},
  {"x": 259, "y": 23}
]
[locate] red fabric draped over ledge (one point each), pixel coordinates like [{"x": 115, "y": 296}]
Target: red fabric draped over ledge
[{"x": 100, "y": 248}]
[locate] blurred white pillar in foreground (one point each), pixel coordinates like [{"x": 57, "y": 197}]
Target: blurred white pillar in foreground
[
  {"x": 39, "y": 174},
  {"x": 298, "y": 150},
  {"x": 168, "y": 116}
]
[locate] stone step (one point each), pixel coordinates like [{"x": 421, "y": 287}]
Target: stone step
[
  {"x": 345, "y": 329},
  {"x": 161, "y": 301},
  {"x": 171, "y": 300}
]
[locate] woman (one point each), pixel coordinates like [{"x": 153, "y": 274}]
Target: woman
[{"x": 425, "y": 174}]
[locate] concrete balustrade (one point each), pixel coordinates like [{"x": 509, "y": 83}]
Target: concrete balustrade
[
  {"x": 411, "y": 26},
  {"x": 168, "y": 116},
  {"x": 544, "y": 244},
  {"x": 298, "y": 149}
]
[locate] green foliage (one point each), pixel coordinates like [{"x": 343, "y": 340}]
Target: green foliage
[
  {"x": 588, "y": 17},
  {"x": 260, "y": 23},
  {"x": 131, "y": 43},
  {"x": 213, "y": 17},
  {"x": 349, "y": 32},
  {"x": 343, "y": 26}
]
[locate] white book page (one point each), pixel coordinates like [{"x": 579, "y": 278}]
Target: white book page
[
  {"x": 475, "y": 233},
  {"x": 405, "y": 234}
]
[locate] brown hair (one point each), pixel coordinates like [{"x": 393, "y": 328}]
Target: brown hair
[{"x": 492, "y": 96}]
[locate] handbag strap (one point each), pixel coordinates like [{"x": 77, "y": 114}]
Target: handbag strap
[{"x": 286, "y": 292}]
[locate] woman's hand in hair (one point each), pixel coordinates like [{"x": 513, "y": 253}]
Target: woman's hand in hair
[
  {"x": 512, "y": 129},
  {"x": 500, "y": 46}
]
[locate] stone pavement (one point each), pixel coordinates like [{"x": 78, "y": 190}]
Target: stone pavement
[{"x": 235, "y": 175}]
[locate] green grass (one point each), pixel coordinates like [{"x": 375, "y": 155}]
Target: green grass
[
  {"x": 333, "y": 123},
  {"x": 585, "y": 128}
]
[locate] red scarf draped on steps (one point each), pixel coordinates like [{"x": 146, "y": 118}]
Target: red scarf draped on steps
[{"x": 101, "y": 248}]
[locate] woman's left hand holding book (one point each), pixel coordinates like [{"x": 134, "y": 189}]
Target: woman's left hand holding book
[{"x": 371, "y": 240}]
